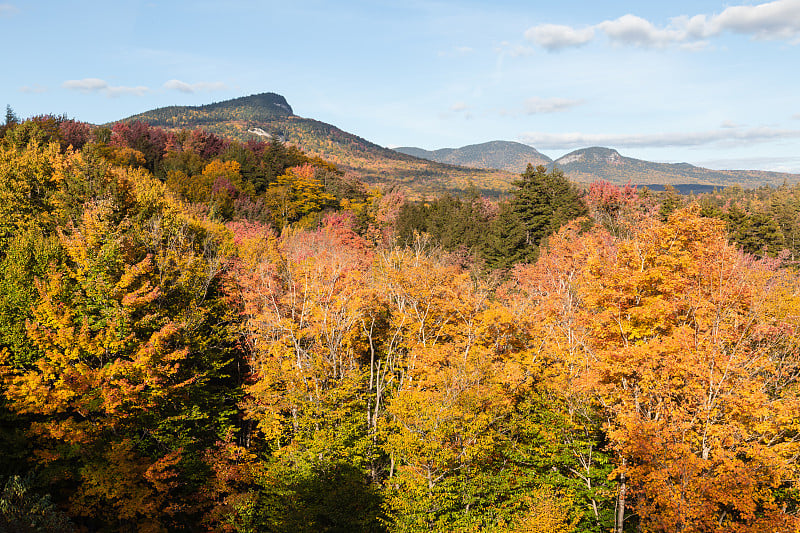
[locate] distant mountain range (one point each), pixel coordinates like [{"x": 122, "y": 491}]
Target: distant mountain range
[
  {"x": 269, "y": 115},
  {"x": 591, "y": 164},
  {"x": 491, "y": 167}
]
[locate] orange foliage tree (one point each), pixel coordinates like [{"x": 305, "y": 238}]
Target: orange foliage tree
[{"x": 690, "y": 349}]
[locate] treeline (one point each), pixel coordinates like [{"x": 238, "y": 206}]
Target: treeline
[
  {"x": 498, "y": 234},
  {"x": 204, "y": 335},
  {"x": 763, "y": 222}
]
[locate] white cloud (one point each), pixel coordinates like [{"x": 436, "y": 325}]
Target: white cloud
[
  {"x": 778, "y": 20},
  {"x": 6, "y": 10},
  {"x": 458, "y": 109},
  {"x": 33, "y": 89},
  {"x": 86, "y": 85},
  {"x": 555, "y": 37},
  {"x": 538, "y": 105},
  {"x": 184, "y": 87},
  {"x": 695, "y": 46},
  {"x": 520, "y": 51},
  {"x": 139, "y": 90},
  {"x": 775, "y": 164},
  {"x": 773, "y": 20},
  {"x": 796, "y": 116},
  {"x": 92, "y": 85},
  {"x": 633, "y": 30},
  {"x": 725, "y": 136}
]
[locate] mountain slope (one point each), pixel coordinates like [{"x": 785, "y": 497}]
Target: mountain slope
[
  {"x": 270, "y": 115},
  {"x": 504, "y": 155},
  {"x": 423, "y": 172},
  {"x": 596, "y": 163}
]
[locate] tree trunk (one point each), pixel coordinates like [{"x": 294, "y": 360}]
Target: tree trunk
[{"x": 620, "y": 520}]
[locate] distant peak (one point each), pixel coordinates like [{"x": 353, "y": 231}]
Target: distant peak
[
  {"x": 598, "y": 151},
  {"x": 262, "y": 100},
  {"x": 594, "y": 153}
]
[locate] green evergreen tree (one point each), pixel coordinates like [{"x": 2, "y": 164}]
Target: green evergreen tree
[
  {"x": 543, "y": 202},
  {"x": 762, "y": 236},
  {"x": 506, "y": 241},
  {"x": 671, "y": 200},
  {"x": 453, "y": 223},
  {"x": 11, "y": 117},
  {"x": 785, "y": 209}
]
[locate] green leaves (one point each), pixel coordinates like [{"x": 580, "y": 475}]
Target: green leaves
[{"x": 544, "y": 201}]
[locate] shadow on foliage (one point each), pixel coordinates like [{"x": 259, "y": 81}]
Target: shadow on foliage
[{"x": 332, "y": 498}]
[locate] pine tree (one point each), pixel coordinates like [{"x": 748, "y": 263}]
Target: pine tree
[
  {"x": 11, "y": 117},
  {"x": 544, "y": 201},
  {"x": 506, "y": 242}
]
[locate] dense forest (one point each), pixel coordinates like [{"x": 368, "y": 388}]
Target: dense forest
[{"x": 203, "y": 334}]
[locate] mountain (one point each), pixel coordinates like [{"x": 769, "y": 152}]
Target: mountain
[
  {"x": 504, "y": 155},
  {"x": 269, "y": 115},
  {"x": 591, "y": 164},
  {"x": 425, "y": 173},
  {"x": 596, "y": 163}
]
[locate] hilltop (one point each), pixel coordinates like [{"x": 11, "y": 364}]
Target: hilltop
[
  {"x": 269, "y": 115},
  {"x": 504, "y": 155},
  {"x": 597, "y": 163}
]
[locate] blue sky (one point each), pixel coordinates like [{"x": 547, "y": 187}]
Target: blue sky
[{"x": 706, "y": 82}]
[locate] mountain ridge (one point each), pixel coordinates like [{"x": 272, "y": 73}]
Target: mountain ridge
[
  {"x": 586, "y": 165},
  {"x": 490, "y": 167},
  {"x": 240, "y": 117}
]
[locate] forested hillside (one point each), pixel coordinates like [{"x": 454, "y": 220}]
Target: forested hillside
[
  {"x": 593, "y": 164},
  {"x": 204, "y": 334},
  {"x": 510, "y": 156},
  {"x": 269, "y": 115}
]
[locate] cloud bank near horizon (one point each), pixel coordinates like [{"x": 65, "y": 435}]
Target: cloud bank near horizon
[
  {"x": 724, "y": 136},
  {"x": 97, "y": 85}
]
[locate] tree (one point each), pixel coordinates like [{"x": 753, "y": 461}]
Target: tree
[
  {"x": 544, "y": 201},
  {"x": 11, "y": 117},
  {"x": 692, "y": 355},
  {"x": 505, "y": 243},
  {"x": 128, "y": 377},
  {"x": 297, "y": 196},
  {"x": 23, "y": 510},
  {"x": 455, "y": 224},
  {"x": 304, "y": 298},
  {"x": 28, "y": 177}
]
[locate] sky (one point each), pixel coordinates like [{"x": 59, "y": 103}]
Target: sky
[{"x": 705, "y": 82}]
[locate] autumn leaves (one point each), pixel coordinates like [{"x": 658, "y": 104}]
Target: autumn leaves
[
  {"x": 688, "y": 349},
  {"x": 167, "y": 368},
  {"x": 648, "y": 378}
]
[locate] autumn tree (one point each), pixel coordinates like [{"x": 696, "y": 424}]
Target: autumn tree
[
  {"x": 304, "y": 296},
  {"x": 689, "y": 347},
  {"x": 129, "y": 356},
  {"x": 297, "y": 196}
]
